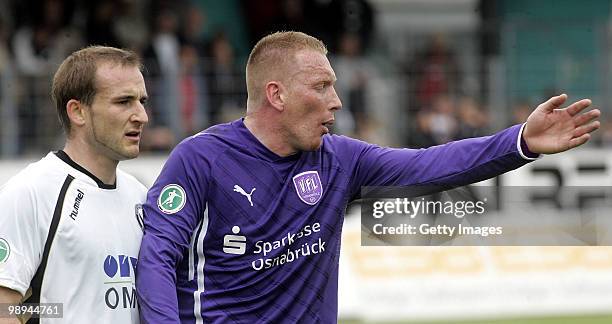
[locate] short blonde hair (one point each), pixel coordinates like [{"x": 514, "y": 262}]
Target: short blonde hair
[{"x": 274, "y": 50}]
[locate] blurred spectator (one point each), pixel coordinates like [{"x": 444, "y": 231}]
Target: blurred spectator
[
  {"x": 473, "y": 121},
  {"x": 520, "y": 112},
  {"x": 354, "y": 72},
  {"x": 434, "y": 71},
  {"x": 194, "y": 99},
  {"x": 443, "y": 123},
  {"x": 130, "y": 25},
  {"x": 226, "y": 84},
  {"x": 162, "y": 54},
  {"x": 55, "y": 14},
  {"x": 191, "y": 31},
  {"x": 259, "y": 16},
  {"x": 191, "y": 105},
  {"x": 354, "y": 17},
  {"x": 327, "y": 20},
  {"x": 422, "y": 136},
  {"x": 162, "y": 67},
  {"x": 268, "y": 16},
  {"x": 41, "y": 45},
  {"x": 100, "y": 23},
  {"x": 291, "y": 17},
  {"x": 38, "y": 49}
]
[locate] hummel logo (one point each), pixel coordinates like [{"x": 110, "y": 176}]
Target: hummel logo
[
  {"x": 77, "y": 203},
  {"x": 241, "y": 191}
]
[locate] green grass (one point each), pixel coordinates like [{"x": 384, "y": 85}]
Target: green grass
[{"x": 594, "y": 319}]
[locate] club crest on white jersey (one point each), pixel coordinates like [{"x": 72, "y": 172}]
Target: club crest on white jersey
[{"x": 5, "y": 250}]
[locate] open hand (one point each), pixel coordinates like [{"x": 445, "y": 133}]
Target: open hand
[{"x": 551, "y": 129}]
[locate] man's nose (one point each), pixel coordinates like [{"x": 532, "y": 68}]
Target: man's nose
[
  {"x": 141, "y": 115},
  {"x": 336, "y": 104}
]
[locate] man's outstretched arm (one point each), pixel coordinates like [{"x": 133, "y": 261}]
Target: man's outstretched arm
[
  {"x": 548, "y": 130},
  {"x": 552, "y": 129}
]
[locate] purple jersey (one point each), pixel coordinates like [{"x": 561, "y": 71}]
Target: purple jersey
[{"x": 235, "y": 233}]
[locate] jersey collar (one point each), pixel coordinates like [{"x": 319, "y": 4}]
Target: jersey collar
[
  {"x": 64, "y": 157},
  {"x": 255, "y": 145}
]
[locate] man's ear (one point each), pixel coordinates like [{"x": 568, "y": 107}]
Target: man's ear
[
  {"x": 275, "y": 93},
  {"x": 76, "y": 113}
]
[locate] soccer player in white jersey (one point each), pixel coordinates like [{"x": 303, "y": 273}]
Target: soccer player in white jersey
[{"x": 70, "y": 226}]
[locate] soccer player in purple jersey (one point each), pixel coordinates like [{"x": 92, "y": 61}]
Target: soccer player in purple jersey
[{"x": 243, "y": 224}]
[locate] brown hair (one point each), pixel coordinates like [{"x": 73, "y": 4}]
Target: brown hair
[
  {"x": 76, "y": 76},
  {"x": 275, "y": 50}
]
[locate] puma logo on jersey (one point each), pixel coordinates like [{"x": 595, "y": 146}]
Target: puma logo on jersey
[
  {"x": 77, "y": 203},
  {"x": 241, "y": 191}
]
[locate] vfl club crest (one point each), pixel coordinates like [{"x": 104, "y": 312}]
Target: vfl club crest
[{"x": 308, "y": 187}]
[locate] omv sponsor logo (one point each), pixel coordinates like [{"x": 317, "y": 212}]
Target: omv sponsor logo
[{"x": 120, "y": 271}]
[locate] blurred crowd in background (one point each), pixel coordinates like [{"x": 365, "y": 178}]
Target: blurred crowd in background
[{"x": 195, "y": 52}]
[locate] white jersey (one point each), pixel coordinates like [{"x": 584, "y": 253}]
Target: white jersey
[{"x": 92, "y": 257}]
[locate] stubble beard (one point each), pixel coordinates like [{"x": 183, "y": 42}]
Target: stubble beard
[{"x": 116, "y": 153}]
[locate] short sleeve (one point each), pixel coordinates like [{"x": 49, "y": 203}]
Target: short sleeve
[{"x": 20, "y": 247}]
